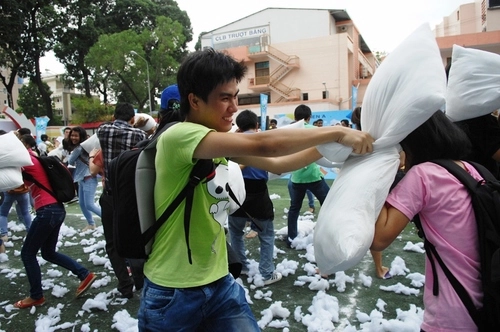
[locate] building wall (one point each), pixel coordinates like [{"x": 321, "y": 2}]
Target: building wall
[
  {"x": 329, "y": 56},
  {"x": 18, "y": 84},
  {"x": 476, "y": 30}
]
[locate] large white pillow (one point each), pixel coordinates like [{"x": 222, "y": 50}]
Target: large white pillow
[
  {"x": 405, "y": 91},
  {"x": 10, "y": 178},
  {"x": 91, "y": 143},
  {"x": 13, "y": 152},
  {"x": 473, "y": 84},
  {"x": 237, "y": 185}
]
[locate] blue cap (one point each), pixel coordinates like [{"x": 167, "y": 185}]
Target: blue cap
[{"x": 170, "y": 92}]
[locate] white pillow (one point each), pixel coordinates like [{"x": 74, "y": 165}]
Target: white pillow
[
  {"x": 473, "y": 84},
  {"x": 237, "y": 185},
  {"x": 150, "y": 121},
  {"x": 13, "y": 152},
  {"x": 10, "y": 178},
  {"x": 408, "y": 87},
  {"x": 91, "y": 143}
]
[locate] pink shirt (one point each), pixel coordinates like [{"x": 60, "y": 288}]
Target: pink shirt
[
  {"x": 448, "y": 221},
  {"x": 40, "y": 196}
]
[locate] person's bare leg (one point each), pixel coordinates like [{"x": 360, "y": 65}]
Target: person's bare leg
[{"x": 380, "y": 270}]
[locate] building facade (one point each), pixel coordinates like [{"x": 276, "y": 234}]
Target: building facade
[
  {"x": 294, "y": 56},
  {"x": 18, "y": 84},
  {"x": 475, "y": 25},
  {"x": 61, "y": 95}
]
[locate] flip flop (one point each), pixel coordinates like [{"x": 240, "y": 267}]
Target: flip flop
[
  {"x": 387, "y": 275},
  {"x": 23, "y": 305}
]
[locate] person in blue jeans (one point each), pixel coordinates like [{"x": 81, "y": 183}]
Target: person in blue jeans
[
  {"x": 87, "y": 183},
  {"x": 310, "y": 196},
  {"x": 187, "y": 285},
  {"x": 23, "y": 209},
  {"x": 307, "y": 178},
  {"x": 259, "y": 203},
  {"x": 43, "y": 235}
]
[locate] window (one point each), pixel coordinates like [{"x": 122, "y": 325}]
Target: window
[
  {"x": 251, "y": 99},
  {"x": 262, "y": 72},
  {"x": 305, "y": 96},
  {"x": 494, "y": 3}
]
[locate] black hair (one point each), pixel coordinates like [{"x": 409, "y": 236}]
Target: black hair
[
  {"x": 44, "y": 137},
  {"x": 356, "y": 117},
  {"x": 437, "y": 138},
  {"x": 302, "y": 112},
  {"x": 171, "y": 114},
  {"x": 30, "y": 142},
  {"x": 273, "y": 121},
  {"x": 247, "y": 120},
  {"x": 23, "y": 131},
  {"x": 345, "y": 121},
  {"x": 124, "y": 111},
  {"x": 203, "y": 71},
  {"x": 81, "y": 132}
]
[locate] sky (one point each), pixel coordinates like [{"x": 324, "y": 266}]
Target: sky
[{"x": 382, "y": 23}]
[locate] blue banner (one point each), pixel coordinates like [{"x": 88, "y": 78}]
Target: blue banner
[
  {"x": 41, "y": 127},
  {"x": 354, "y": 97},
  {"x": 263, "y": 111}
]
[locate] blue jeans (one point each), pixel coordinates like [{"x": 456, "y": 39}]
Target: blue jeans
[
  {"x": 23, "y": 202},
  {"x": 266, "y": 238},
  {"x": 297, "y": 192},
  {"x": 218, "y": 306},
  {"x": 43, "y": 234},
  {"x": 310, "y": 196},
  {"x": 86, "y": 198}
]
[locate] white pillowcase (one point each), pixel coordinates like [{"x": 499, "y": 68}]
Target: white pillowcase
[
  {"x": 473, "y": 84},
  {"x": 408, "y": 87},
  {"x": 13, "y": 152},
  {"x": 91, "y": 143},
  {"x": 10, "y": 178}
]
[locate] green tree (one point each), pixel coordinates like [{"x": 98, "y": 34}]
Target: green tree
[
  {"x": 75, "y": 39},
  {"x": 110, "y": 60},
  {"x": 41, "y": 18},
  {"x": 87, "y": 110},
  {"x": 89, "y": 19},
  {"x": 30, "y": 102}
]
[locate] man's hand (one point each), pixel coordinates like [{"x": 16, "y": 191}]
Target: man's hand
[{"x": 361, "y": 142}]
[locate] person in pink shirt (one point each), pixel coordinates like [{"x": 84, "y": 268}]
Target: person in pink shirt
[
  {"x": 447, "y": 218},
  {"x": 43, "y": 235}
]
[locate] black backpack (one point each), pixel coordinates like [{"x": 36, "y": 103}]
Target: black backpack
[
  {"x": 60, "y": 179},
  {"x": 134, "y": 232},
  {"x": 485, "y": 196}
]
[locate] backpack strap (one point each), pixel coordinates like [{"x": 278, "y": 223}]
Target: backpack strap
[
  {"x": 30, "y": 178},
  {"x": 471, "y": 184},
  {"x": 202, "y": 169},
  {"x": 256, "y": 222}
]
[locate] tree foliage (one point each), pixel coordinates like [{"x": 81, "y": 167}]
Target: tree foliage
[
  {"x": 90, "y": 110},
  {"x": 159, "y": 29},
  {"x": 113, "y": 65},
  {"x": 30, "y": 101}
]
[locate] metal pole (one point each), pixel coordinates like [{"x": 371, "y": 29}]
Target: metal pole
[{"x": 149, "y": 87}]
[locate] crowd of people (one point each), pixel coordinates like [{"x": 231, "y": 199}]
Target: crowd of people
[{"x": 204, "y": 102}]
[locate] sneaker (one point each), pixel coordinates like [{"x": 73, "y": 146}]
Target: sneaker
[
  {"x": 88, "y": 227},
  {"x": 251, "y": 234},
  {"x": 274, "y": 278},
  {"x": 85, "y": 284}
]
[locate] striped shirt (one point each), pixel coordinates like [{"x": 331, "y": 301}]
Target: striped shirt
[{"x": 116, "y": 137}]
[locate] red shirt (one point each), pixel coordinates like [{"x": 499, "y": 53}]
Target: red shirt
[{"x": 40, "y": 196}]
